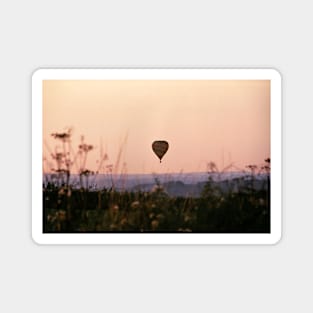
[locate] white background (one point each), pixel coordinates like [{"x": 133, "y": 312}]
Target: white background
[{"x": 155, "y": 278}]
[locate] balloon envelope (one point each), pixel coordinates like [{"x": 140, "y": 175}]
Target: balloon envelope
[{"x": 160, "y": 147}]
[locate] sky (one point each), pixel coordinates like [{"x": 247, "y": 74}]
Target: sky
[{"x": 225, "y": 122}]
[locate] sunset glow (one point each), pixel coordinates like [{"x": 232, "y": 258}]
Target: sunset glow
[{"x": 226, "y": 122}]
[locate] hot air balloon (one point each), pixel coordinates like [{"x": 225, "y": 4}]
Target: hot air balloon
[{"x": 160, "y": 147}]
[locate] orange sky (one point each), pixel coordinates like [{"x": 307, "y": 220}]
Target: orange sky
[{"x": 220, "y": 121}]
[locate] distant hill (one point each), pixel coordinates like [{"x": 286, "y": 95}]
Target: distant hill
[
  {"x": 178, "y": 188},
  {"x": 181, "y": 184}
]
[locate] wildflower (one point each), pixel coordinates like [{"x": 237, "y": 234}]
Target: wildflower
[
  {"x": 62, "y": 136},
  {"x": 86, "y": 173},
  {"x": 84, "y": 147},
  {"x": 123, "y": 221},
  {"x": 61, "y": 215},
  {"x": 154, "y": 224},
  {"x": 114, "y": 208},
  {"x": 187, "y": 218},
  {"x": 135, "y": 205},
  {"x": 160, "y": 217},
  {"x": 157, "y": 188},
  {"x": 211, "y": 167}
]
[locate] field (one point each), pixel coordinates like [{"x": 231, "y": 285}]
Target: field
[
  {"x": 238, "y": 205},
  {"x": 243, "y": 210}
]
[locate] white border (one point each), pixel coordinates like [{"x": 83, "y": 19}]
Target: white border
[{"x": 157, "y": 74}]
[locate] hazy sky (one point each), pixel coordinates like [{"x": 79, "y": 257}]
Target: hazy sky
[{"x": 221, "y": 121}]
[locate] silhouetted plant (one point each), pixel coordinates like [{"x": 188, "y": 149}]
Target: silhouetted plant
[{"x": 239, "y": 205}]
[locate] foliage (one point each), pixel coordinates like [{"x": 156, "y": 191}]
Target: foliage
[
  {"x": 82, "y": 210},
  {"x": 241, "y": 208}
]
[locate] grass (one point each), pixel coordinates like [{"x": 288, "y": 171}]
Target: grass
[{"x": 241, "y": 208}]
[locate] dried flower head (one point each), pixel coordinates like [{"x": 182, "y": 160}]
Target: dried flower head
[{"x": 85, "y": 148}]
